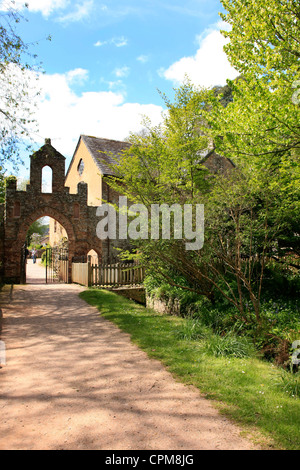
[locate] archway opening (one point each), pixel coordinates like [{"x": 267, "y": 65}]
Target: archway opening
[
  {"x": 93, "y": 257},
  {"x": 37, "y": 236},
  {"x": 58, "y": 236},
  {"x": 46, "y": 254}
]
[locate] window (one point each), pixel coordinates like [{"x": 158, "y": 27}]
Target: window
[{"x": 80, "y": 167}]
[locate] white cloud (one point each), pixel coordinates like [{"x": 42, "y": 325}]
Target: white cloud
[
  {"x": 115, "y": 41},
  {"x": 100, "y": 43},
  {"x": 143, "y": 59},
  {"x": 75, "y": 12},
  {"x": 77, "y": 76},
  {"x": 122, "y": 72},
  {"x": 120, "y": 42},
  {"x": 209, "y": 66},
  {"x": 63, "y": 115},
  {"x": 46, "y": 7},
  {"x": 81, "y": 11}
]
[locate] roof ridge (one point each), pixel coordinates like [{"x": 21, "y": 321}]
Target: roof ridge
[{"x": 104, "y": 138}]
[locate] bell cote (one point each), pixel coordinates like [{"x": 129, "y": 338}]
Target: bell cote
[{"x": 47, "y": 156}]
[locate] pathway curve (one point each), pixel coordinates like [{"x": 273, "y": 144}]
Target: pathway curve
[{"x": 73, "y": 380}]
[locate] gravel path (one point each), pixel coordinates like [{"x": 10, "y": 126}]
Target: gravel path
[{"x": 74, "y": 381}]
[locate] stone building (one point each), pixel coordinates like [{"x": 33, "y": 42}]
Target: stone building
[{"x": 70, "y": 210}]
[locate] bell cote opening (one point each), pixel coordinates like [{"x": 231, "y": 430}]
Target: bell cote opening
[{"x": 47, "y": 176}]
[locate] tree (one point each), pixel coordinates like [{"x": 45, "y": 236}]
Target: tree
[
  {"x": 17, "y": 84},
  {"x": 164, "y": 165},
  {"x": 248, "y": 210},
  {"x": 263, "y": 119},
  {"x": 36, "y": 231},
  {"x": 259, "y": 128},
  {"x": 264, "y": 38}
]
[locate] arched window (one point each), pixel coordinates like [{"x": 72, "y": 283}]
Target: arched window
[
  {"x": 93, "y": 257},
  {"x": 80, "y": 167},
  {"x": 47, "y": 179}
]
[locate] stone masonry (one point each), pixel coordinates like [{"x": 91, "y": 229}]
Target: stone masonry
[{"x": 22, "y": 208}]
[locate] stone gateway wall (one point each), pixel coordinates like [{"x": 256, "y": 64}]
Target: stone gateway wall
[{"x": 22, "y": 208}]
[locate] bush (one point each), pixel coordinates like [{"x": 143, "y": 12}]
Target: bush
[{"x": 280, "y": 321}]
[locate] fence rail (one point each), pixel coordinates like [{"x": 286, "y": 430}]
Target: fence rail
[{"x": 106, "y": 275}]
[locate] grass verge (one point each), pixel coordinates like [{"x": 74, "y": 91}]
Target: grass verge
[{"x": 246, "y": 389}]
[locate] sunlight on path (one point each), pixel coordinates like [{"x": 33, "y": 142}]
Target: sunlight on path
[
  {"x": 35, "y": 272},
  {"x": 74, "y": 381}
]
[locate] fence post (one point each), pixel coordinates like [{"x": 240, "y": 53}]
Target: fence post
[{"x": 90, "y": 272}]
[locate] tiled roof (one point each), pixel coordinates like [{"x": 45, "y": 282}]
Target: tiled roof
[{"x": 104, "y": 151}]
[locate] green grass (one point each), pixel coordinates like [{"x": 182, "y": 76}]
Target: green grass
[{"x": 245, "y": 388}]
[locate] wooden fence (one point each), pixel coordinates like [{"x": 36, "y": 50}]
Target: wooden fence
[
  {"x": 81, "y": 273},
  {"x": 107, "y": 275}
]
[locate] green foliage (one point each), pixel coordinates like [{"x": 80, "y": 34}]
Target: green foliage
[
  {"x": 288, "y": 382},
  {"x": 252, "y": 213},
  {"x": 229, "y": 344},
  {"x": 155, "y": 287},
  {"x": 43, "y": 257},
  {"x": 280, "y": 317},
  {"x": 264, "y": 37},
  {"x": 162, "y": 161},
  {"x": 35, "y": 232},
  {"x": 263, "y": 118},
  {"x": 192, "y": 330},
  {"x": 3, "y": 182}
]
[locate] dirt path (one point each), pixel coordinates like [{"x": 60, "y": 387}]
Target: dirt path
[{"x": 74, "y": 381}]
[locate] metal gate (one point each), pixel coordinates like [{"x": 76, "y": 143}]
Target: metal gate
[{"x": 57, "y": 265}]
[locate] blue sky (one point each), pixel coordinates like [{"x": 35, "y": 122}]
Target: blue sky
[{"x": 107, "y": 59}]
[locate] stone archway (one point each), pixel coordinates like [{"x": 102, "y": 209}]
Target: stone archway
[{"x": 22, "y": 208}]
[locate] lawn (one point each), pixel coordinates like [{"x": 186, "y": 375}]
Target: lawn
[{"x": 252, "y": 392}]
